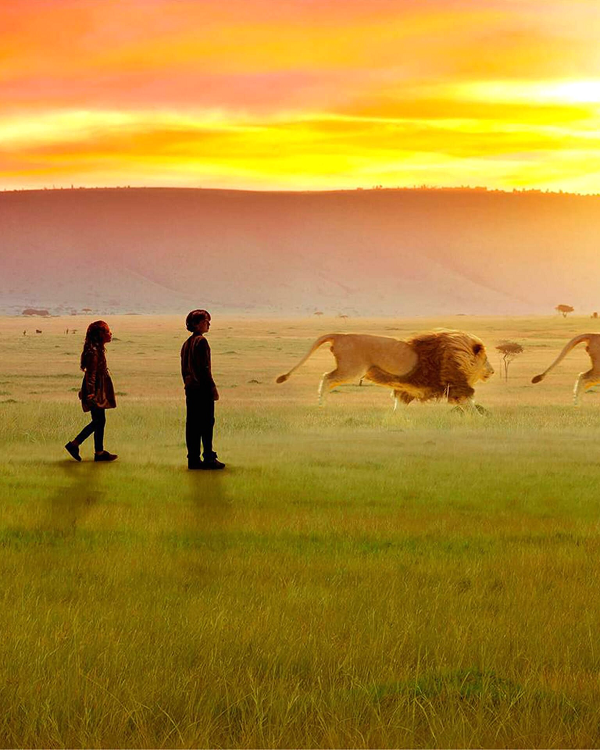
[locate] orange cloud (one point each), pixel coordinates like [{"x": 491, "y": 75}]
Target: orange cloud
[{"x": 299, "y": 94}]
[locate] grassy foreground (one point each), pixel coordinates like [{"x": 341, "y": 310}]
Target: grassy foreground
[{"x": 354, "y": 578}]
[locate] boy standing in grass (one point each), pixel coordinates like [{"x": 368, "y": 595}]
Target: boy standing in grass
[{"x": 200, "y": 393}]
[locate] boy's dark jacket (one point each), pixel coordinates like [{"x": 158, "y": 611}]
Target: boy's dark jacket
[{"x": 195, "y": 365}]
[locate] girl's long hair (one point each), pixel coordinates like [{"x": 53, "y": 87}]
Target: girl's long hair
[{"x": 94, "y": 340}]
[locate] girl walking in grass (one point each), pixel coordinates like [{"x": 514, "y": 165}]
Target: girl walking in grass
[{"x": 97, "y": 392}]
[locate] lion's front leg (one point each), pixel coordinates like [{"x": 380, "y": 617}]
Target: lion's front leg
[
  {"x": 469, "y": 406},
  {"x": 462, "y": 396},
  {"x": 460, "y": 393},
  {"x": 399, "y": 396}
]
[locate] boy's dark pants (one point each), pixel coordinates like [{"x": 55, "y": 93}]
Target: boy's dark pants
[{"x": 199, "y": 424}]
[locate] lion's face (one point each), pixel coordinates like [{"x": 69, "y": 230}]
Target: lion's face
[
  {"x": 488, "y": 370},
  {"x": 483, "y": 369}
]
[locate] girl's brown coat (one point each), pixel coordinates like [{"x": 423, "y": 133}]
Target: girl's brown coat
[{"x": 97, "y": 387}]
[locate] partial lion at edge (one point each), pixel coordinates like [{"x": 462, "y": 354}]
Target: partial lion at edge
[{"x": 586, "y": 379}]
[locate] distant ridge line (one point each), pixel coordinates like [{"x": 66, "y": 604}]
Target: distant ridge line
[{"x": 465, "y": 189}]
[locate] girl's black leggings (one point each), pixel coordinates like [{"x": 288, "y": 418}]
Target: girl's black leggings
[{"x": 97, "y": 427}]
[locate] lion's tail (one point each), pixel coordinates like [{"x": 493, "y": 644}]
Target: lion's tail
[
  {"x": 314, "y": 347},
  {"x": 567, "y": 348}
]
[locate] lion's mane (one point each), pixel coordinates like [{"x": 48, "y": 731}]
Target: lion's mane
[{"x": 449, "y": 362}]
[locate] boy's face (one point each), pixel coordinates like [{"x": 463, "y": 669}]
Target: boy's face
[{"x": 203, "y": 326}]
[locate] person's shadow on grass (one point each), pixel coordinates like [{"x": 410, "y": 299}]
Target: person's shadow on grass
[
  {"x": 208, "y": 498},
  {"x": 73, "y": 500}
]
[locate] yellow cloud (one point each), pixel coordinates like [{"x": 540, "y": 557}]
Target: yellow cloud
[{"x": 294, "y": 151}]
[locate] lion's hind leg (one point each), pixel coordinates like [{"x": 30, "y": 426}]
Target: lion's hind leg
[
  {"x": 337, "y": 377},
  {"x": 585, "y": 380}
]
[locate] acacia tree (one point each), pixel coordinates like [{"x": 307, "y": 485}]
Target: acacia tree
[
  {"x": 564, "y": 310},
  {"x": 509, "y": 350},
  {"x": 318, "y": 312}
]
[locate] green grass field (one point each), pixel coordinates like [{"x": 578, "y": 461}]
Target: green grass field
[{"x": 355, "y": 578}]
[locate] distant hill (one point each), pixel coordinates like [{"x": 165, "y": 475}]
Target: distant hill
[{"x": 377, "y": 252}]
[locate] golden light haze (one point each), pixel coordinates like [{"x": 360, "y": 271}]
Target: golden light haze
[{"x": 300, "y": 94}]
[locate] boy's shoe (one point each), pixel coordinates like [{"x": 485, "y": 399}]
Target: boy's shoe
[
  {"x": 105, "y": 456},
  {"x": 73, "y": 450},
  {"x": 193, "y": 465},
  {"x": 212, "y": 465}
]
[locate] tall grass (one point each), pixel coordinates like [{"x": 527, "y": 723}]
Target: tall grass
[{"x": 354, "y": 578}]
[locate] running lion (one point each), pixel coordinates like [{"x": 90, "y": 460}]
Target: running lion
[{"x": 435, "y": 364}]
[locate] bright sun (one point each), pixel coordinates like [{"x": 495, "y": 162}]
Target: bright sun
[
  {"x": 575, "y": 91},
  {"x": 554, "y": 92}
]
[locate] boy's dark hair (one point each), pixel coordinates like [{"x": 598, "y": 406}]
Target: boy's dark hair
[{"x": 195, "y": 317}]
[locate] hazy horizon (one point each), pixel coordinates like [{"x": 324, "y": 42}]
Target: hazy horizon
[{"x": 357, "y": 253}]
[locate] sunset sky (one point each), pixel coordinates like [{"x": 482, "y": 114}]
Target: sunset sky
[{"x": 300, "y": 94}]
